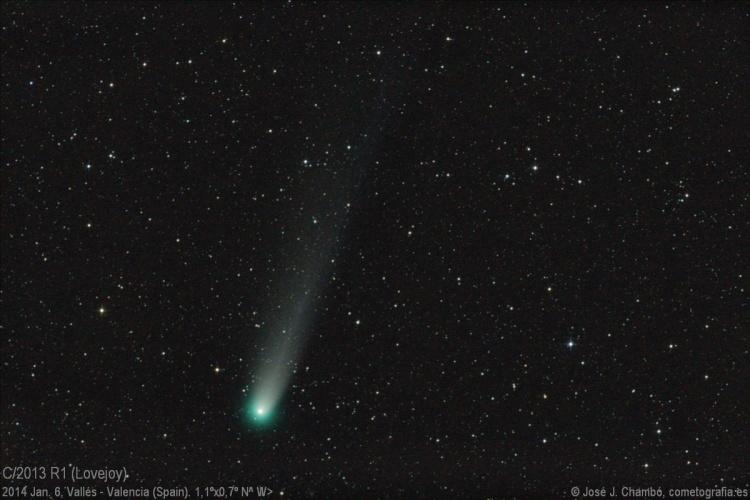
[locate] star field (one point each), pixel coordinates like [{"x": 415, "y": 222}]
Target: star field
[{"x": 501, "y": 245}]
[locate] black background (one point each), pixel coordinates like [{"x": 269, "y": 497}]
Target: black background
[{"x": 532, "y": 175}]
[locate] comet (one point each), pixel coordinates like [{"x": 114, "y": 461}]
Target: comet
[{"x": 323, "y": 195}]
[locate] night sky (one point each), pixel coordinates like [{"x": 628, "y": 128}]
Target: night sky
[{"x": 369, "y": 250}]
